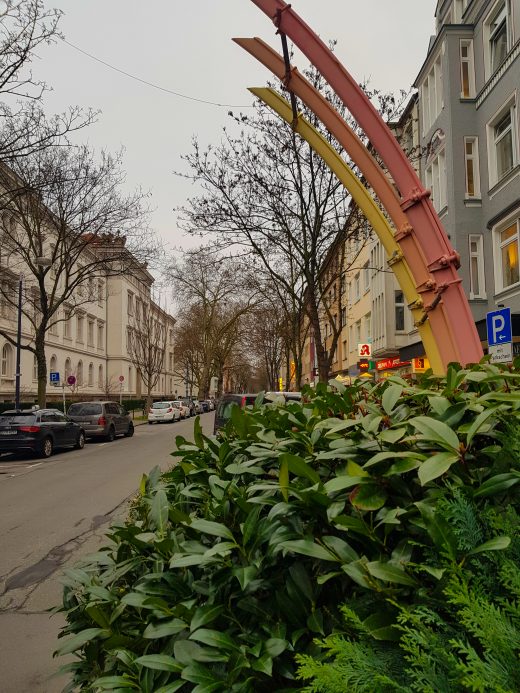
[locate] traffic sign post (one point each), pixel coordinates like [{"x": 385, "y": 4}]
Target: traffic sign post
[
  {"x": 54, "y": 377},
  {"x": 121, "y": 381},
  {"x": 498, "y": 324},
  {"x": 500, "y": 335}
]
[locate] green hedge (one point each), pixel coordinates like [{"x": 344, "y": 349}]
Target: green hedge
[{"x": 380, "y": 519}]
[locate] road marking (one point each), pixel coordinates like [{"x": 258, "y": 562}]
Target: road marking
[{"x": 31, "y": 466}]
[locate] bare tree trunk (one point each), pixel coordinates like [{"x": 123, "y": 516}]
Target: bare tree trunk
[
  {"x": 321, "y": 352},
  {"x": 39, "y": 345},
  {"x": 148, "y": 397}
]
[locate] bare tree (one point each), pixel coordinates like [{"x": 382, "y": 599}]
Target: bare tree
[
  {"x": 63, "y": 204},
  {"x": 147, "y": 347},
  {"x": 266, "y": 194},
  {"x": 212, "y": 290}
]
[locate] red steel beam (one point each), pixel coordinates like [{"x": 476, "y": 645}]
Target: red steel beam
[
  {"x": 375, "y": 177},
  {"x": 440, "y": 256}
]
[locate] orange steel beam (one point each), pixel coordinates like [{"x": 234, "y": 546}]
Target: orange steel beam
[
  {"x": 374, "y": 175},
  {"x": 442, "y": 260}
]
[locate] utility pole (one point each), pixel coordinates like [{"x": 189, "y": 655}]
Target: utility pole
[{"x": 18, "y": 346}]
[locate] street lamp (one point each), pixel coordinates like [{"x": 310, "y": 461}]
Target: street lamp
[{"x": 40, "y": 262}]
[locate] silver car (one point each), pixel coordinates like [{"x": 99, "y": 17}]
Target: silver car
[{"x": 102, "y": 419}]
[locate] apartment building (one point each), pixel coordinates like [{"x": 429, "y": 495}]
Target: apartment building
[
  {"x": 87, "y": 343},
  {"x": 468, "y": 93}
]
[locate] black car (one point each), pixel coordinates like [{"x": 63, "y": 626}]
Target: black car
[{"x": 38, "y": 431}]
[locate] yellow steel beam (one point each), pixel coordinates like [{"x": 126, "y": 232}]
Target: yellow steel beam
[{"x": 369, "y": 208}]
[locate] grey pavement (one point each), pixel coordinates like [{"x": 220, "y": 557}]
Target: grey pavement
[{"x": 53, "y": 513}]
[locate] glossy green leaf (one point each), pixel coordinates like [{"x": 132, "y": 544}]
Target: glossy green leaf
[
  {"x": 245, "y": 574},
  {"x": 368, "y": 497},
  {"x": 213, "y": 528},
  {"x": 496, "y": 484},
  {"x": 82, "y": 638},
  {"x": 391, "y": 396},
  {"x": 159, "y": 510},
  {"x": 110, "y": 683},
  {"x": 164, "y": 629},
  {"x": 390, "y": 572},
  {"x": 436, "y": 432},
  {"x": 478, "y": 424},
  {"x": 307, "y": 547},
  {"x": 435, "y": 466},
  {"x": 283, "y": 480},
  {"x": 204, "y": 615},
  {"x": 299, "y": 467},
  {"x": 495, "y": 544},
  {"x": 213, "y": 638},
  {"x": 340, "y": 483}
]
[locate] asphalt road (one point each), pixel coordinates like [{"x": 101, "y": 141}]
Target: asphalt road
[{"x": 52, "y": 513}]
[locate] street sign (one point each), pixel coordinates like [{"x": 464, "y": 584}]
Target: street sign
[
  {"x": 121, "y": 378},
  {"x": 364, "y": 350},
  {"x": 54, "y": 377},
  {"x": 498, "y": 324},
  {"x": 501, "y": 353},
  {"x": 71, "y": 380}
]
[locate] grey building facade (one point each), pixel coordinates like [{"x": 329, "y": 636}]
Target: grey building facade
[{"x": 469, "y": 137}]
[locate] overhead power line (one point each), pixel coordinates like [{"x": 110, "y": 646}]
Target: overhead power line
[{"x": 147, "y": 83}]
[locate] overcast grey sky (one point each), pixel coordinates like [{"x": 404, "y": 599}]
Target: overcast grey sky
[{"x": 185, "y": 46}]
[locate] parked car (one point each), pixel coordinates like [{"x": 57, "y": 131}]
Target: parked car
[
  {"x": 211, "y": 404},
  {"x": 205, "y": 405},
  {"x": 189, "y": 404},
  {"x": 102, "y": 419},
  {"x": 230, "y": 399},
  {"x": 39, "y": 431},
  {"x": 183, "y": 408},
  {"x": 163, "y": 412},
  {"x": 197, "y": 406}
]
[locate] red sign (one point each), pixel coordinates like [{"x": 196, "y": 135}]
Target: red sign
[
  {"x": 364, "y": 350},
  {"x": 71, "y": 380},
  {"x": 387, "y": 364},
  {"x": 121, "y": 378}
]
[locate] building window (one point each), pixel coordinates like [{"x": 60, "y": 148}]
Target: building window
[
  {"x": 342, "y": 284},
  {"x": 436, "y": 180},
  {"x": 508, "y": 242},
  {"x": 503, "y": 142},
  {"x": 343, "y": 317},
  {"x": 431, "y": 93},
  {"x": 53, "y": 329},
  {"x": 100, "y": 335},
  {"x": 66, "y": 323},
  {"x": 7, "y": 361},
  {"x": 90, "y": 374},
  {"x": 399, "y": 311},
  {"x": 68, "y": 369},
  {"x": 79, "y": 374},
  {"x": 472, "y": 167},
  {"x": 79, "y": 324},
  {"x": 54, "y": 364},
  {"x": 344, "y": 352},
  {"x": 358, "y": 332},
  {"x": 129, "y": 341},
  {"x": 368, "y": 327},
  {"x": 366, "y": 277},
  {"x": 467, "y": 70},
  {"x": 100, "y": 292},
  {"x": 498, "y": 30},
  {"x": 170, "y": 362},
  {"x": 130, "y": 379},
  {"x": 476, "y": 266},
  {"x": 130, "y": 303},
  {"x": 90, "y": 333},
  {"x": 101, "y": 383},
  {"x": 356, "y": 288}
]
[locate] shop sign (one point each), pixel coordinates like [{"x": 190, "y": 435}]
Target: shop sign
[
  {"x": 420, "y": 364},
  {"x": 387, "y": 364},
  {"x": 364, "y": 350},
  {"x": 366, "y": 365}
]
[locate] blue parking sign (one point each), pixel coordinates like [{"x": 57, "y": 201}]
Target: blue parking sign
[
  {"x": 498, "y": 324},
  {"x": 54, "y": 377}
]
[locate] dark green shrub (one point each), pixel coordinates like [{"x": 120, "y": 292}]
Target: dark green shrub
[{"x": 244, "y": 552}]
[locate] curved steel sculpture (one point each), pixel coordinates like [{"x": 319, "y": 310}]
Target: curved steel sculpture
[
  {"x": 458, "y": 341},
  {"x": 366, "y": 204}
]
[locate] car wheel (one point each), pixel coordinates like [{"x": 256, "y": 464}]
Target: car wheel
[
  {"x": 111, "y": 434},
  {"x": 46, "y": 447},
  {"x": 150, "y": 423},
  {"x": 130, "y": 431},
  {"x": 80, "y": 443}
]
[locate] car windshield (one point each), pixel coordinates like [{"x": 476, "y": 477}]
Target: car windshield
[
  {"x": 177, "y": 404},
  {"x": 161, "y": 405},
  {"x": 22, "y": 418},
  {"x": 85, "y": 409}
]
